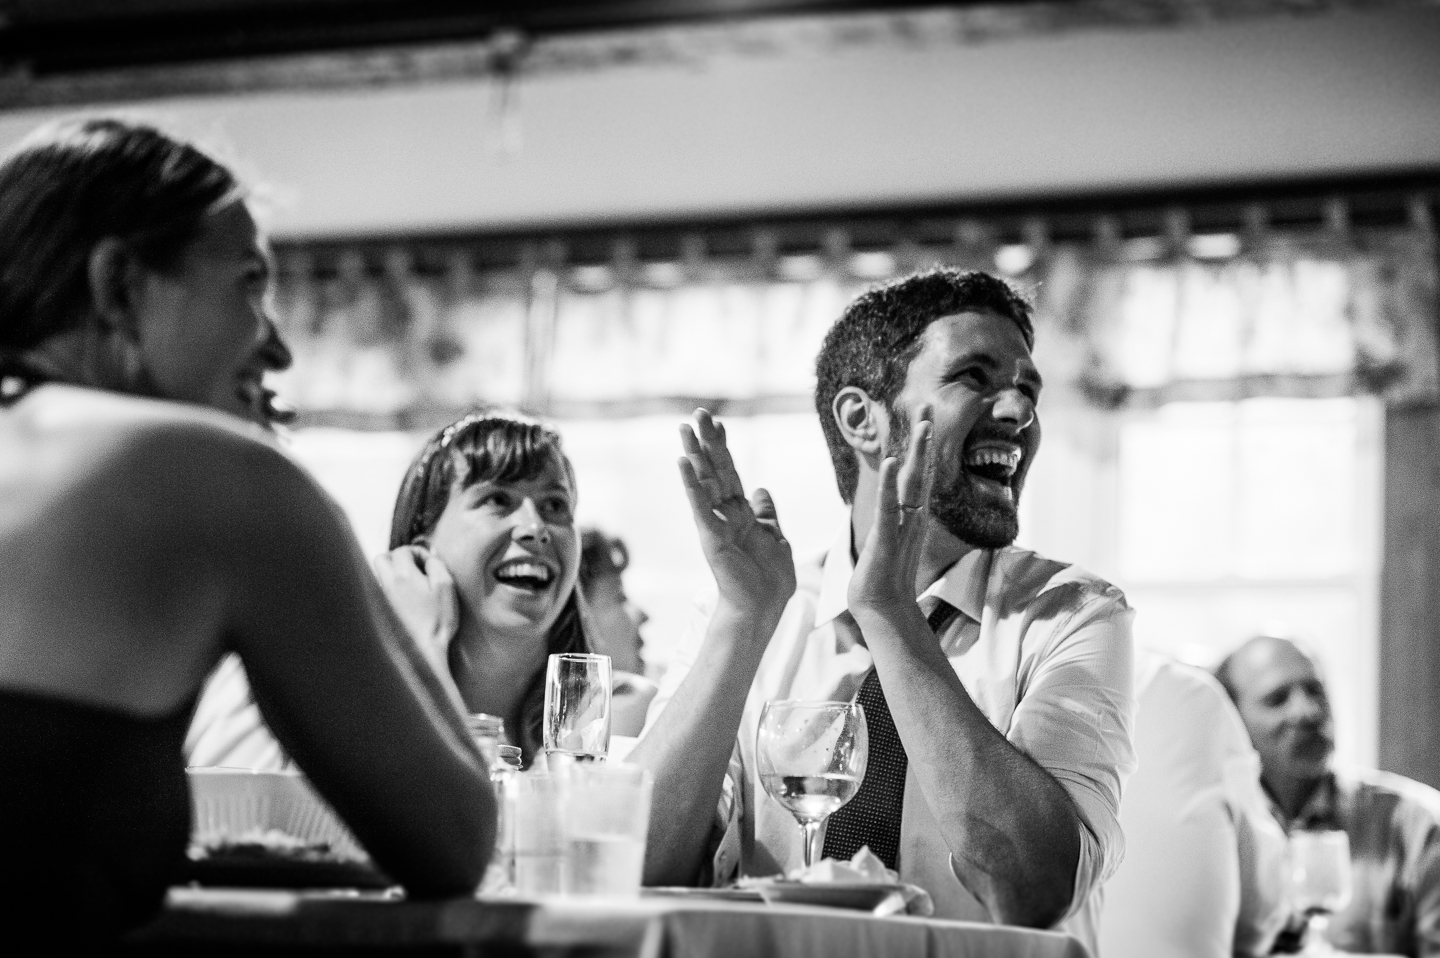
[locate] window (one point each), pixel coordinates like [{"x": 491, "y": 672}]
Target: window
[{"x": 1236, "y": 518}]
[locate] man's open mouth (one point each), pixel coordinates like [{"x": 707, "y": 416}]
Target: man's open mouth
[
  {"x": 525, "y": 574},
  {"x": 994, "y": 462}
]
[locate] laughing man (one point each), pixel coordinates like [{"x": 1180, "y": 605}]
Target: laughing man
[{"x": 996, "y": 683}]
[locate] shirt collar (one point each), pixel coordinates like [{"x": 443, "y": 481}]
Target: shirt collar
[
  {"x": 963, "y": 585},
  {"x": 1321, "y": 809},
  {"x": 835, "y": 578}
]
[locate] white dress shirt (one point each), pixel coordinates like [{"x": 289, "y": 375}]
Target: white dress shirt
[
  {"x": 1203, "y": 877},
  {"x": 1042, "y": 647}
]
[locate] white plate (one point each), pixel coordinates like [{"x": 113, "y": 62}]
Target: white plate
[{"x": 861, "y": 897}]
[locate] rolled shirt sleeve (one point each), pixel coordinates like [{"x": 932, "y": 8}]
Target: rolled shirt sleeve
[{"x": 1074, "y": 719}]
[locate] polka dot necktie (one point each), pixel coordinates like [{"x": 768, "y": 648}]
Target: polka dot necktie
[{"x": 872, "y": 817}]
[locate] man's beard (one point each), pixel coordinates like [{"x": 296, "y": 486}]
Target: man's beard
[{"x": 955, "y": 502}]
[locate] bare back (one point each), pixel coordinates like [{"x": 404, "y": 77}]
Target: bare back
[{"x": 109, "y": 597}]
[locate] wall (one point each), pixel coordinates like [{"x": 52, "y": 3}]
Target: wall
[
  {"x": 1247, "y": 99},
  {"x": 1410, "y": 599}
]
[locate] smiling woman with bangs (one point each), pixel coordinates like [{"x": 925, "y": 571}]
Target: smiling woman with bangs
[
  {"x": 482, "y": 569},
  {"x": 483, "y": 562}
]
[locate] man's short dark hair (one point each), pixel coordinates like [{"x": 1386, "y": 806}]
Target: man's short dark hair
[{"x": 874, "y": 341}]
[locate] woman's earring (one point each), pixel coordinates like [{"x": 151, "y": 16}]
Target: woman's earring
[
  {"x": 116, "y": 362},
  {"x": 131, "y": 364}
]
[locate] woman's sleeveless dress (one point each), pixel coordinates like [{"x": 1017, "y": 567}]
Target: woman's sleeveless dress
[{"x": 94, "y": 811}]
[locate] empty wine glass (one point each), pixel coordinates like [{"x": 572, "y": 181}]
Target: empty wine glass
[
  {"x": 577, "y": 707},
  {"x": 812, "y": 758},
  {"x": 1319, "y": 882}
]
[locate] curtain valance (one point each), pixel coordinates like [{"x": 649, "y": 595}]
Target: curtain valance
[{"x": 415, "y": 329}]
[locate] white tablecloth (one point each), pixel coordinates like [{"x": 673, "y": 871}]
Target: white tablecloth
[{"x": 650, "y": 927}]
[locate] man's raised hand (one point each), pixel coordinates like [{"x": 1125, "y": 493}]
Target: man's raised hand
[
  {"x": 741, "y": 538},
  {"x": 885, "y": 571}
]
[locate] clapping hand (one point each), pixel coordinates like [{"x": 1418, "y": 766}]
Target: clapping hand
[
  {"x": 741, "y": 538},
  {"x": 422, "y": 592},
  {"x": 884, "y": 577}
]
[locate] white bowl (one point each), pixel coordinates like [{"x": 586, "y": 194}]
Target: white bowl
[{"x": 234, "y": 804}]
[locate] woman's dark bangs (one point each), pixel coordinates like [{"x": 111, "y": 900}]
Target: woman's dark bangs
[{"x": 500, "y": 450}]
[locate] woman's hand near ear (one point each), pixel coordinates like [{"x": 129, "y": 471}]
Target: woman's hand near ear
[{"x": 422, "y": 592}]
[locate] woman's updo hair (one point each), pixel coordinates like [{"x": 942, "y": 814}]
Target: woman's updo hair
[
  {"x": 73, "y": 183},
  {"x": 494, "y": 447}
]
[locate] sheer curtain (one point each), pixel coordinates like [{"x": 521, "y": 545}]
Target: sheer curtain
[
  {"x": 1326, "y": 310},
  {"x": 1329, "y": 310}
]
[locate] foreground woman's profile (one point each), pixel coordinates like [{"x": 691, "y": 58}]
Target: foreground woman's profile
[{"x": 146, "y": 529}]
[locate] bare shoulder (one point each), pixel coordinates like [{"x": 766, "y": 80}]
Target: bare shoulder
[
  {"x": 104, "y": 475},
  {"x": 62, "y": 441},
  {"x": 66, "y": 416}
]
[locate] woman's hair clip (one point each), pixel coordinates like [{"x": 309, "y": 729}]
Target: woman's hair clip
[{"x": 447, "y": 436}]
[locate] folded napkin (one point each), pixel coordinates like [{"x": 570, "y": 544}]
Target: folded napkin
[{"x": 864, "y": 868}]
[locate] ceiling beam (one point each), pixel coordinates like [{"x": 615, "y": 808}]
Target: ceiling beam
[
  {"x": 56, "y": 53},
  {"x": 53, "y": 37}
]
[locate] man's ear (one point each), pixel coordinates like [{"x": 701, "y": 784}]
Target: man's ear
[
  {"x": 859, "y": 419},
  {"x": 115, "y": 275}
]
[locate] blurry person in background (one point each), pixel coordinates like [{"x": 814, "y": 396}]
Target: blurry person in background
[
  {"x": 1393, "y": 823},
  {"x": 614, "y": 627},
  {"x": 617, "y": 620},
  {"x": 1203, "y": 871},
  {"x": 148, "y": 528}
]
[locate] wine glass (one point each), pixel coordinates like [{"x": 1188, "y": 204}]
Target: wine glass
[
  {"x": 577, "y": 707},
  {"x": 1319, "y": 882},
  {"x": 812, "y": 759}
]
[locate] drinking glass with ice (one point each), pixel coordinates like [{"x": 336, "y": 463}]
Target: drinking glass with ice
[{"x": 607, "y": 816}]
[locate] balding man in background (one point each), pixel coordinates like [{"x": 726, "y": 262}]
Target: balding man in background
[{"x": 1393, "y": 823}]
